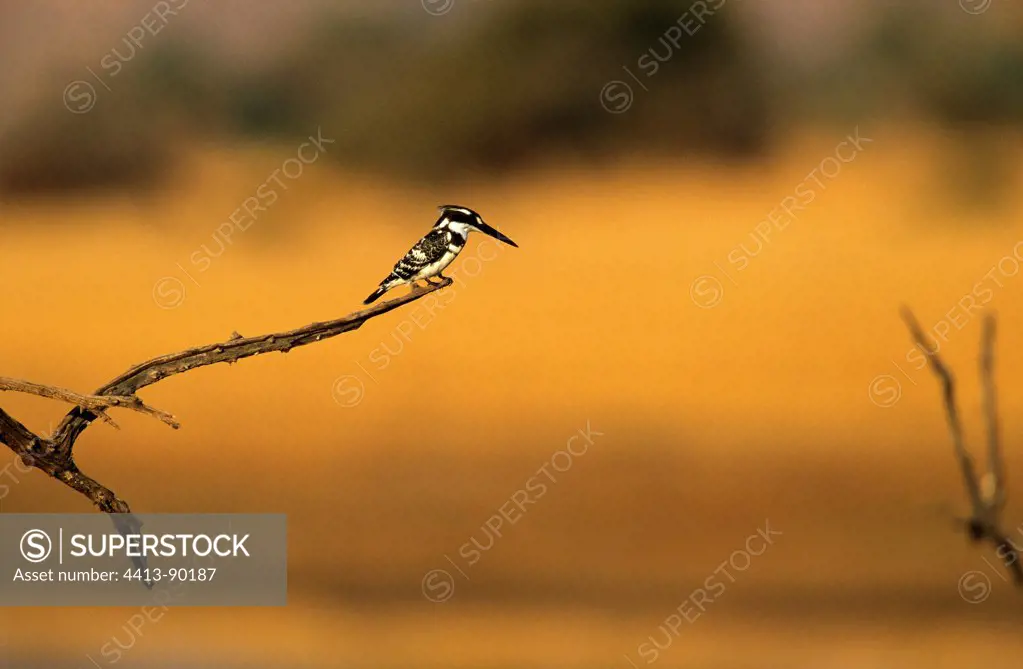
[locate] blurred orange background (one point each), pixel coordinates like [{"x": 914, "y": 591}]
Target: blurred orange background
[{"x": 727, "y": 399}]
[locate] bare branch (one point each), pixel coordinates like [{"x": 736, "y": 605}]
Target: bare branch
[
  {"x": 94, "y": 403},
  {"x": 53, "y": 454},
  {"x": 987, "y": 499},
  {"x": 995, "y": 467},
  {"x": 951, "y": 413},
  {"x": 15, "y": 435},
  {"x": 1005, "y": 550}
]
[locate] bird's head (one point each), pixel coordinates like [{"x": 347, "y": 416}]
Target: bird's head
[{"x": 465, "y": 220}]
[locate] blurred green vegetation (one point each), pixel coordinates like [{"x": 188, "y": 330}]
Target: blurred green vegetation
[{"x": 433, "y": 98}]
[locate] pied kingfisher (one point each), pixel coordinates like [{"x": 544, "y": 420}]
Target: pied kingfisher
[{"x": 434, "y": 252}]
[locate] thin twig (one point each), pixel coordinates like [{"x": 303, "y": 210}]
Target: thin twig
[
  {"x": 95, "y": 403},
  {"x": 951, "y": 413},
  {"x": 983, "y": 525},
  {"x": 995, "y": 466}
]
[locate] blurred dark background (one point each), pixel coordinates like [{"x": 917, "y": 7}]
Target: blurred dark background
[{"x": 436, "y": 90}]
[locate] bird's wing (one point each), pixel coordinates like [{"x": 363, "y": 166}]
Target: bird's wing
[
  {"x": 995, "y": 497},
  {"x": 1010, "y": 557},
  {"x": 427, "y": 251}
]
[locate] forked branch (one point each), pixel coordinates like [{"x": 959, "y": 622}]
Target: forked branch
[
  {"x": 987, "y": 495},
  {"x": 97, "y": 404},
  {"x": 53, "y": 454}
]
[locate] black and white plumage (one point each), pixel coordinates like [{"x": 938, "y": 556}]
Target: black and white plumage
[{"x": 434, "y": 252}]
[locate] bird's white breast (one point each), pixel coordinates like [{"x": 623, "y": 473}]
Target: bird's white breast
[{"x": 433, "y": 269}]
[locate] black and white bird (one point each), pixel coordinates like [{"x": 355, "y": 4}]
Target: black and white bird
[{"x": 434, "y": 252}]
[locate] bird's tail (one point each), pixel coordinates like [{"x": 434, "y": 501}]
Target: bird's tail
[
  {"x": 375, "y": 296},
  {"x": 385, "y": 286}
]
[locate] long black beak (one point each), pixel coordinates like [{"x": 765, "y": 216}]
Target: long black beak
[{"x": 484, "y": 228}]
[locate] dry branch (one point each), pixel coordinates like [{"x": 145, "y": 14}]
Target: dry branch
[
  {"x": 94, "y": 403},
  {"x": 951, "y": 412},
  {"x": 996, "y": 470},
  {"x": 987, "y": 495},
  {"x": 54, "y": 454}
]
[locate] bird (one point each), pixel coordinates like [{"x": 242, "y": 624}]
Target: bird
[
  {"x": 986, "y": 493},
  {"x": 435, "y": 251}
]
